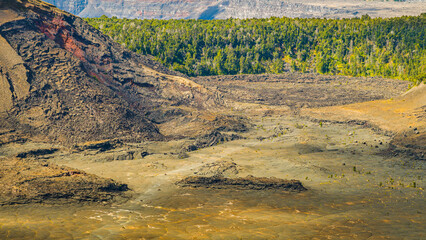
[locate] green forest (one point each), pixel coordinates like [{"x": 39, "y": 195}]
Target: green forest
[{"x": 387, "y": 47}]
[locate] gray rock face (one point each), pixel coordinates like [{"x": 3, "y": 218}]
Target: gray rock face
[
  {"x": 72, "y": 6},
  {"x": 222, "y": 9},
  {"x": 185, "y": 9},
  {"x": 268, "y": 8}
]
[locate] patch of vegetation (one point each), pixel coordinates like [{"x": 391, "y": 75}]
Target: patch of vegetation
[{"x": 391, "y": 47}]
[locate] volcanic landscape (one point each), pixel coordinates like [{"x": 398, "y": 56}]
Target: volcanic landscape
[{"x": 97, "y": 142}]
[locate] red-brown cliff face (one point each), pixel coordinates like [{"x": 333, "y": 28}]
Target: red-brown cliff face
[{"x": 63, "y": 79}]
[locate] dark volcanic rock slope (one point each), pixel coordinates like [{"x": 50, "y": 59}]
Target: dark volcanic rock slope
[
  {"x": 35, "y": 181},
  {"x": 64, "y": 79}
]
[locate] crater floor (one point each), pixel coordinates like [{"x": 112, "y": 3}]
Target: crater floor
[{"x": 356, "y": 190}]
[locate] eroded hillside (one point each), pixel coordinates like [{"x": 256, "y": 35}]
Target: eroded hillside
[{"x": 64, "y": 80}]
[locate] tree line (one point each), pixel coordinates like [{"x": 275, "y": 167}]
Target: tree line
[{"x": 387, "y": 47}]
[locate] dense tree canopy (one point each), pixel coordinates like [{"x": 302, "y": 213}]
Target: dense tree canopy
[{"x": 392, "y": 47}]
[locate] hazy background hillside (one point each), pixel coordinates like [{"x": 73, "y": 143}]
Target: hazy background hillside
[{"x": 223, "y": 9}]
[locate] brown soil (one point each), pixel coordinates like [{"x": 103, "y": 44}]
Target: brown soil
[
  {"x": 403, "y": 116},
  {"x": 342, "y": 165},
  {"x": 77, "y": 88},
  {"x": 395, "y": 114},
  {"x": 381, "y": 104}
]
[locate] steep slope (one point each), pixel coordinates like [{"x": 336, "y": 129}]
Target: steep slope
[{"x": 63, "y": 79}]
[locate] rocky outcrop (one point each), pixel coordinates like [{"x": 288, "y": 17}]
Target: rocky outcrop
[
  {"x": 208, "y": 140},
  {"x": 36, "y": 153},
  {"x": 61, "y": 78},
  {"x": 219, "y": 168},
  {"x": 211, "y": 139},
  {"x": 246, "y": 183},
  {"x": 31, "y": 181},
  {"x": 99, "y": 146},
  {"x": 410, "y": 143}
]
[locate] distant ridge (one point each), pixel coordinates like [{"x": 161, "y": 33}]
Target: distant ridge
[{"x": 223, "y": 9}]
